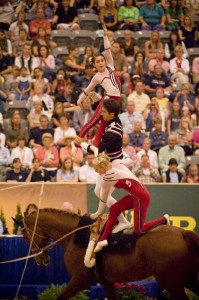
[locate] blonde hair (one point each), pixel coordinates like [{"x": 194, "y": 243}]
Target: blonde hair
[{"x": 102, "y": 159}]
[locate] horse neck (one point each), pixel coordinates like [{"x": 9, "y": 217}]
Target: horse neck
[{"x": 56, "y": 224}]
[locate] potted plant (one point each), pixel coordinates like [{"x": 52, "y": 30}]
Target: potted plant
[
  {"x": 131, "y": 291},
  {"x": 18, "y": 217}
]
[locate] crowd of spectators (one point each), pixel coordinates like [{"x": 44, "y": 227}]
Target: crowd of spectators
[{"x": 160, "y": 89}]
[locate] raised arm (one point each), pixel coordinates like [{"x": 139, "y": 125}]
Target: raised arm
[{"x": 107, "y": 49}]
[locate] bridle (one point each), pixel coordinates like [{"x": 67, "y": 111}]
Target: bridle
[{"x": 31, "y": 235}]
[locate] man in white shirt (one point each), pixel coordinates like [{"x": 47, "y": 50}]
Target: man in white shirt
[
  {"x": 16, "y": 26},
  {"x": 129, "y": 117},
  {"x": 87, "y": 172},
  {"x": 5, "y": 160},
  {"x": 27, "y": 59},
  {"x": 24, "y": 153},
  {"x": 139, "y": 97},
  {"x": 153, "y": 158}
]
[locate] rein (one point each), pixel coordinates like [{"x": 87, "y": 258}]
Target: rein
[{"x": 44, "y": 248}]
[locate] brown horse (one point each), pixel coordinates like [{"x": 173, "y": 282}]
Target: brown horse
[{"x": 168, "y": 253}]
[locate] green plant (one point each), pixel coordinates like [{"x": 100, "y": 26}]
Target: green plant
[
  {"x": 166, "y": 296},
  {"x": 131, "y": 291},
  {"x": 18, "y": 217},
  {"x": 55, "y": 290},
  {"x": 2, "y": 218}
]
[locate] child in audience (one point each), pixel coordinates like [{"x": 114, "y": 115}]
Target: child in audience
[
  {"x": 193, "y": 174},
  {"x": 172, "y": 175},
  {"x": 23, "y": 85}
]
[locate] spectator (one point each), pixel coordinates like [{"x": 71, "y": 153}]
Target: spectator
[
  {"x": 158, "y": 79},
  {"x": 158, "y": 137},
  {"x": 62, "y": 131},
  {"x": 5, "y": 160},
  {"x": 108, "y": 15},
  {"x": 82, "y": 115},
  {"x": 15, "y": 130},
  {"x": 129, "y": 46},
  {"x": 36, "y": 133},
  {"x": 187, "y": 32},
  {"x": 152, "y": 16},
  {"x": 20, "y": 42},
  {"x": 186, "y": 98},
  {"x": 34, "y": 116},
  {"x": 120, "y": 62},
  {"x": 151, "y": 112},
  {"x": 137, "y": 137},
  {"x": 128, "y": 149},
  {"x": 171, "y": 151},
  {"x": 87, "y": 172},
  {"x": 70, "y": 151},
  {"x": 58, "y": 111},
  {"x": 193, "y": 174},
  {"x": 164, "y": 106},
  {"x": 172, "y": 175},
  {"x": 128, "y": 16},
  {"x": 38, "y": 79},
  {"x": 159, "y": 59},
  {"x": 16, "y": 26},
  {"x": 139, "y": 66},
  {"x": 65, "y": 16},
  {"x": 43, "y": 98},
  {"x": 185, "y": 136},
  {"x": 59, "y": 83},
  {"x": 16, "y": 174},
  {"x": 2, "y": 135},
  {"x": 42, "y": 40},
  {"x": 67, "y": 96},
  {"x": 153, "y": 45},
  {"x": 11, "y": 82},
  {"x": 46, "y": 62},
  {"x": 146, "y": 149},
  {"x": 174, "y": 41},
  {"x": 48, "y": 155},
  {"x": 38, "y": 22},
  {"x": 85, "y": 6},
  {"x": 6, "y": 14},
  {"x": 67, "y": 207},
  {"x": 72, "y": 64},
  {"x": 37, "y": 173},
  {"x": 140, "y": 99},
  {"x": 23, "y": 85},
  {"x": 5, "y": 44},
  {"x": 87, "y": 55},
  {"x": 174, "y": 118},
  {"x": 195, "y": 70},
  {"x": 26, "y": 59},
  {"x": 174, "y": 15},
  {"x": 67, "y": 173},
  {"x": 5, "y": 63},
  {"x": 145, "y": 172},
  {"x": 179, "y": 67},
  {"x": 24, "y": 153},
  {"x": 130, "y": 116},
  {"x": 47, "y": 6},
  {"x": 83, "y": 81}
]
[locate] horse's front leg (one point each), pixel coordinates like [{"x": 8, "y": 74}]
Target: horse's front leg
[{"x": 75, "y": 285}]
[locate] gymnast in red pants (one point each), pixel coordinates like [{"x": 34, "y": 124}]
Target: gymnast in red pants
[
  {"x": 118, "y": 175},
  {"x": 108, "y": 78}
]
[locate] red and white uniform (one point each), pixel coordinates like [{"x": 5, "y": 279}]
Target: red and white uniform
[
  {"x": 138, "y": 198},
  {"x": 110, "y": 81}
]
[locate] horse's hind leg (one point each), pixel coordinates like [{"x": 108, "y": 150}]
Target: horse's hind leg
[
  {"x": 109, "y": 288},
  {"x": 177, "y": 293}
]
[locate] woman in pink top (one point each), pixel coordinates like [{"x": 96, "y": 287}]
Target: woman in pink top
[
  {"x": 48, "y": 155},
  {"x": 46, "y": 63},
  {"x": 108, "y": 78}
]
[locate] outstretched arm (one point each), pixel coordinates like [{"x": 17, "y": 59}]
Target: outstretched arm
[{"x": 107, "y": 49}]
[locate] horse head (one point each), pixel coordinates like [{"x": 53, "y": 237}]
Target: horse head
[{"x": 35, "y": 237}]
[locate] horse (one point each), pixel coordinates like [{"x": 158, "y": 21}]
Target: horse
[{"x": 168, "y": 253}]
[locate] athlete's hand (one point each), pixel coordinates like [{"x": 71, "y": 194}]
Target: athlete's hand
[
  {"x": 94, "y": 216},
  {"x": 78, "y": 140},
  {"x": 105, "y": 29}
]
